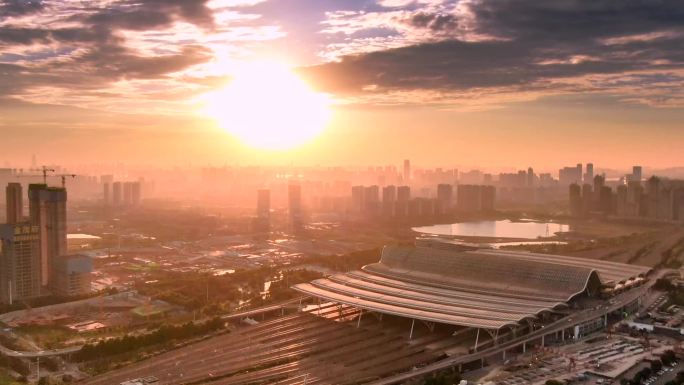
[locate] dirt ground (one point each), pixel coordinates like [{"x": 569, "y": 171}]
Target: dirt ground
[{"x": 647, "y": 249}]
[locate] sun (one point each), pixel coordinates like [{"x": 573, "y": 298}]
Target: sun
[{"x": 267, "y": 106}]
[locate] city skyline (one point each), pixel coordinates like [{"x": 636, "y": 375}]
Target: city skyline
[
  {"x": 342, "y": 192},
  {"x": 479, "y": 82}
]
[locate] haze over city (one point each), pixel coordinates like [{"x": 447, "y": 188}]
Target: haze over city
[{"x": 341, "y": 192}]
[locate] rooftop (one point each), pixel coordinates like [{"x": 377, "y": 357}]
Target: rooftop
[{"x": 484, "y": 288}]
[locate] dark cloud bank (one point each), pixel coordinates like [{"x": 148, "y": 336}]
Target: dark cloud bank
[{"x": 529, "y": 42}]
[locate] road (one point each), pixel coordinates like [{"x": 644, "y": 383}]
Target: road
[
  {"x": 42, "y": 353},
  {"x": 264, "y": 309}
]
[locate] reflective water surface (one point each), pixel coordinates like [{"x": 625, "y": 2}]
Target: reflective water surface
[{"x": 496, "y": 229}]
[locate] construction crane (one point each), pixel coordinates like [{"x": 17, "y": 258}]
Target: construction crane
[
  {"x": 43, "y": 170},
  {"x": 44, "y": 173},
  {"x": 64, "y": 176}
]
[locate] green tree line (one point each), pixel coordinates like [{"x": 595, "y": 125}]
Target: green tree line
[{"x": 163, "y": 335}]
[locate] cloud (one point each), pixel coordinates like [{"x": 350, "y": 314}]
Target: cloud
[
  {"x": 434, "y": 21},
  {"x": 521, "y": 45},
  {"x": 60, "y": 52},
  {"x": 434, "y": 51},
  {"x": 19, "y": 7},
  {"x": 150, "y": 14}
]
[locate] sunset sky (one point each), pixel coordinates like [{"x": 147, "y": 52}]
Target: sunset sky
[{"x": 495, "y": 83}]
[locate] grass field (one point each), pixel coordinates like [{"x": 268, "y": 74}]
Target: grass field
[{"x": 5, "y": 379}]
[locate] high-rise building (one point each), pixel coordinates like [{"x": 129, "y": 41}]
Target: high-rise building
[
  {"x": 136, "y": 193},
  {"x": 587, "y": 198},
  {"x": 469, "y": 197},
  {"x": 599, "y": 183},
  {"x": 20, "y": 264},
  {"x": 403, "y": 193},
  {"x": 589, "y": 175},
  {"x": 47, "y": 207},
  {"x": 636, "y": 174},
  {"x": 653, "y": 191},
  {"x": 264, "y": 203},
  {"x": 294, "y": 196},
  {"x": 475, "y": 198},
  {"x": 401, "y": 207},
  {"x": 15, "y": 203},
  {"x": 579, "y": 171},
  {"x": 678, "y": 204},
  {"x": 575, "y": 192},
  {"x": 487, "y": 179},
  {"x": 128, "y": 193},
  {"x": 570, "y": 175},
  {"x": 389, "y": 199},
  {"x": 445, "y": 196},
  {"x": 487, "y": 198},
  {"x": 105, "y": 194},
  {"x": 407, "y": 171},
  {"x": 371, "y": 200},
  {"x": 357, "y": 195},
  {"x": 605, "y": 203},
  {"x": 427, "y": 207},
  {"x": 263, "y": 210},
  {"x": 530, "y": 177},
  {"x": 116, "y": 194},
  {"x": 471, "y": 177},
  {"x": 628, "y": 200}
]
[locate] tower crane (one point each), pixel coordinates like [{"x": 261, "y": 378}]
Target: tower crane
[
  {"x": 43, "y": 170},
  {"x": 64, "y": 176},
  {"x": 44, "y": 173}
]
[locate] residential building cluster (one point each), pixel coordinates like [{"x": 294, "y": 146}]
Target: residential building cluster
[
  {"x": 120, "y": 194},
  {"x": 34, "y": 260},
  {"x": 656, "y": 198},
  {"x": 397, "y": 202}
]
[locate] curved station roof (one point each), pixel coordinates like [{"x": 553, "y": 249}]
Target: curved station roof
[{"x": 483, "y": 288}]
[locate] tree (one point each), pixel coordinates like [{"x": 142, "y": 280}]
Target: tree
[
  {"x": 443, "y": 379},
  {"x": 656, "y": 365},
  {"x": 668, "y": 357},
  {"x": 680, "y": 377}
]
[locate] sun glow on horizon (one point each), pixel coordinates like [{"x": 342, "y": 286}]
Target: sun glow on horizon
[{"x": 267, "y": 106}]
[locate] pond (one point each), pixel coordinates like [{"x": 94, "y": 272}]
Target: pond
[
  {"x": 496, "y": 229},
  {"x": 82, "y": 236}
]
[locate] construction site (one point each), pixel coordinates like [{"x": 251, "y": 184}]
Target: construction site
[{"x": 75, "y": 323}]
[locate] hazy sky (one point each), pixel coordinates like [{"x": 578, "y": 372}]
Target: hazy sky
[{"x": 443, "y": 82}]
